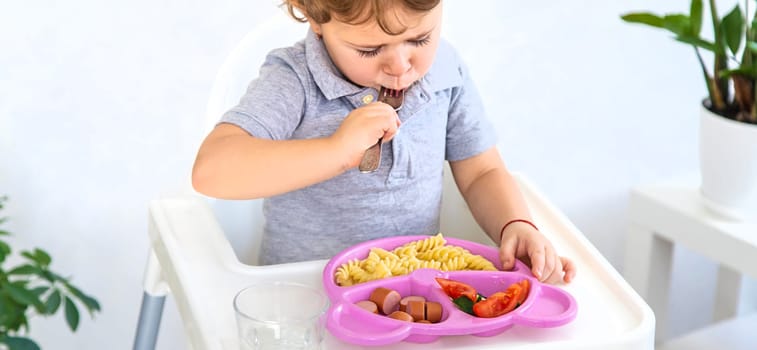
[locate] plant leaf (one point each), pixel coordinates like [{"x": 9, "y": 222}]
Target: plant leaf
[
  {"x": 699, "y": 42},
  {"x": 89, "y": 302},
  {"x": 696, "y": 17},
  {"x": 746, "y": 71},
  {"x": 38, "y": 291},
  {"x": 3, "y": 232},
  {"x": 5, "y": 250},
  {"x": 732, "y": 28},
  {"x": 20, "y": 343},
  {"x": 649, "y": 19},
  {"x": 678, "y": 24},
  {"x": 53, "y": 277},
  {"x": 42, "y": 257},
  {"x": 5, "y": 309},
  {"x": 39, "y": 256},
  {"x": 11, "y": 312},
  {"x": 28, "y": 255},
  {"x": 72, "y": 314},
  {"x": 25, "y": 269},
  {"x": 52, "y": 303},
  {"x": 20, "y": 294}
]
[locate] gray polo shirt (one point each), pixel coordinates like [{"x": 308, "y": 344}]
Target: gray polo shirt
[{"x": 300, "y": 94}]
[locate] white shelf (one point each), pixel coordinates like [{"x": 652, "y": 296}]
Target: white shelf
[
  {"x": 663, "y": 215},
  {"x": 677, "y": 214}
]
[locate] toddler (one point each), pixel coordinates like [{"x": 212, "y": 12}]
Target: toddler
[{"x": 304, "y": 124}]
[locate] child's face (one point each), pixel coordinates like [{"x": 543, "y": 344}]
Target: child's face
[{"x": 369, "y": 57}]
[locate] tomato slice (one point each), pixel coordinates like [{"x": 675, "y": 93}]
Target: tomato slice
[
  {"x": 515, "y": 293},
  {"x": 501, "y": 303},
  {"x": 495, "y": 305},
  {"x": 455, "y": 289},
  {"x": 526, "y": 287}
]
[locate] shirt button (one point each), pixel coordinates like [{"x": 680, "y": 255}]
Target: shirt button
[{"x": 367, "y": 99}]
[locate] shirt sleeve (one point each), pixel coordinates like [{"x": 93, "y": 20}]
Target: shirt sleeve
[
  {"x": 274, "y": 102},
  {"x": 469, "y": 132}
]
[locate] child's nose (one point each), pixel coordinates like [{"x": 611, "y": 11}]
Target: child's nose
[{"x": 397, "y": 63}]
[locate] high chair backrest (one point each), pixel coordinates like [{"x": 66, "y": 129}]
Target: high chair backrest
[{"x": 242, "y": 220}]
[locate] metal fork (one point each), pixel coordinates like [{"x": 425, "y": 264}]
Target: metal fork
[{"x": 372, "y": 156}]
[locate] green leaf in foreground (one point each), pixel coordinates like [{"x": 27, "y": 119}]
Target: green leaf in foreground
[
  {"x": 20, "y": 343},
  {"x": 649, "y": 19},
  {"x": 72, "y": 314},
  {"x": 52, "y": 303},
  {"x": 89, "y": 302}
]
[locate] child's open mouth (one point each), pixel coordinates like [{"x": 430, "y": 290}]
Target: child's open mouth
[{"x": 394, "y": 98}]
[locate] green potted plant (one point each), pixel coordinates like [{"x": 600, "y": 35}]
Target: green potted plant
[
  {"x": 31, "y": 288},
  {"x": 728, "y": 123}
]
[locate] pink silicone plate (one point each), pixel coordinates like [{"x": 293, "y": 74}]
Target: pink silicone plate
[{"x": 546, "y": 305}]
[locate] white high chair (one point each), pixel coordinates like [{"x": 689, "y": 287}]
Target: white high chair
[
  {"x": 191, "y": 255},
  {"x": 240, "y": 222}
]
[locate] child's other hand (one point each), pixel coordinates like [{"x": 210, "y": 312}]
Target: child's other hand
[
  {"x": 363, "y": 127},
  {"x": 523, "y": 242}
]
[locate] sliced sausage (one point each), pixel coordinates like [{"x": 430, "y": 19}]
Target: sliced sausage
[
  {"x": 433, "y": 311},
  {"x": 402, "y": 316},
  {"x": 417, "y": 309},
  {"x": 386, "y": 299},
  {"x": 368, "y": 305},
  {"x": 403, "y": 301}
]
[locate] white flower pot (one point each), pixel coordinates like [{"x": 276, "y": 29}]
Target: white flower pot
[{"x": 728, "y": 163}]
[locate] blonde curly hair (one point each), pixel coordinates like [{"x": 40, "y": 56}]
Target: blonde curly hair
[{"x": 356, "y": 12}]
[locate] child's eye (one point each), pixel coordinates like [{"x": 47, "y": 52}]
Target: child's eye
[
  {"x": 369, "y": 53},
  {"x": 421, "y": 42}
]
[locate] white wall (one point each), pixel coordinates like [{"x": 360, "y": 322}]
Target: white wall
[{"x": 102, "y": 105}]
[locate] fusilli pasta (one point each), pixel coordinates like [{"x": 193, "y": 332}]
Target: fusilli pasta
[{"x": 432, "y": 252}]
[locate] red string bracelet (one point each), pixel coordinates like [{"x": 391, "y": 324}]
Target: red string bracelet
[{"x": 502, "y": 231}]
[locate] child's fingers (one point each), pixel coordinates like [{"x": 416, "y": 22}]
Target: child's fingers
[
  {"x": 555, "y": 275},
  {"x": 569, "y": 268},
  {"x": 391, "y": 133},
  {"x": 363, "y": 126},
  {"x": 507, "y": 253},
  {"x": 550, "y": 261},
  {"x": 537, "y": 262},
  {"x": 391, "y": 123}
]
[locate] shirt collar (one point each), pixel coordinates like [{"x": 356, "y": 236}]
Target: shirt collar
[
  {"x": 329, "y": 79},
  {"x": 446, "y": 72}
]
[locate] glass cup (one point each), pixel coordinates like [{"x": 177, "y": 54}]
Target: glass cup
[{"x": 280, "y": 315}]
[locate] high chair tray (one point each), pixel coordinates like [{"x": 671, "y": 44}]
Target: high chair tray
[
  {"x": 203, "y": 273},
  {"x": 545, "y": 305}
]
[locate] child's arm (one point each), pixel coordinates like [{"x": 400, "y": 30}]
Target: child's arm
[
  {"x": 231, "y": 164},
  {"x": 495, "y": 199}
]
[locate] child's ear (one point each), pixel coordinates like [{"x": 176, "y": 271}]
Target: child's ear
[{"x": 315, "y": 27}]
